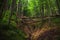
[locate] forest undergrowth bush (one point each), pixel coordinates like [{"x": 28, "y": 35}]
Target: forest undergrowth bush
[{"x": 11, "y": 33}]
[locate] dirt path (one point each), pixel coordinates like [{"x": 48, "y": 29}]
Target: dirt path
[{"x": 40, "y": 32}]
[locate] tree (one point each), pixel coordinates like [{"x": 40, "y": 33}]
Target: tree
[
  {"x": 58, "y": 4},
  {"x": 12, "y": 8},
  {"x": 4, "y": 7}
]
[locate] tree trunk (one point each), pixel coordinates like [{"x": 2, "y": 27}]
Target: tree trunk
[
  {"x": 13, "y": 7},
  {"x": 3, "y": 8},
  {"x": 58, "y": 5}
]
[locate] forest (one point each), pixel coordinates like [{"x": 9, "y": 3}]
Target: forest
[{"x": 29, "y": 19}]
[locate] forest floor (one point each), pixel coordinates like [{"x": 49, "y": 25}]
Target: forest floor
[
  {"x": 47, "y": 29},
  {"x": 41, "y": 31}
]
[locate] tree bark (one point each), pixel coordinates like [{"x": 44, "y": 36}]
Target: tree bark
[
  {"x": 58, "y": 5},
  {"x": 13, "y": 7},
  {"x": 3, "y": 8}
]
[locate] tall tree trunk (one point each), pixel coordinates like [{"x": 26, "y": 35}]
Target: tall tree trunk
[
  {"x": 3, "y": 8},
  {"x": 42, "y": 14},
  {"x": 49, "y": 12},
  {"x": 13, "y": 7},
  {"x": 58, "y": 5}
]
